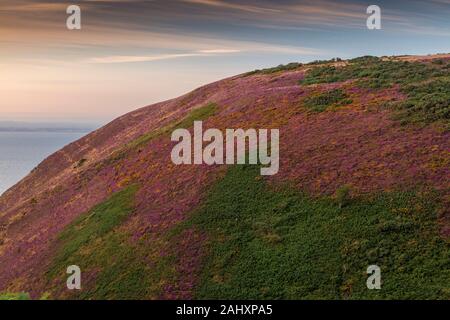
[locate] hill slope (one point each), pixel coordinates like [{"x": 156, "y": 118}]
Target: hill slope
[{"x": 364, "y": 176}]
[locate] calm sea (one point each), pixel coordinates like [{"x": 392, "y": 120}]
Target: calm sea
[{"x": 20, "y": 152}]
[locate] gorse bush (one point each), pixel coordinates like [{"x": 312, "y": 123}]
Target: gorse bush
[
  {"x": 281, "y": 67},
  {"x": 318, "y": 62},
  {"x": 365, "y": 60},
  {"x": 425, "y": 84},
  {"x": 427, "y": 101},
  {"x": 290, "y": 66},
  {"x": 384, "y": 73},
  {"x": 326, "y": 74},
  {"x": 323, "y": 101}
]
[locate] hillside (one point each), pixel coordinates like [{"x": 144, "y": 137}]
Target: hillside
[{"x": 363, "y": 179}]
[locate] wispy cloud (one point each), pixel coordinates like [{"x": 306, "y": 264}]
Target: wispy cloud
[
  {"x": 233, "y": 6},
  {"x": 128, "y": 59},
  {"x": 131, "y": 59},
  {"x": 220, "y": 51},
  {"x": 192, "y": 27},
  {"x": 200, "y": 53},
  {"x": 30, "y": 6},
  {"x": 300, "y": 14}
]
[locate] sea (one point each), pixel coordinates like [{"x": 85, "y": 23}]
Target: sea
[{"x": 23, "y": 150}]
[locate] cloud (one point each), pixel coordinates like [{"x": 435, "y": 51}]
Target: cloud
[
  {"x": 249, "y": 47},
  {"x": 220, "y": 51},
  {"x": 424, "y": 30},
  {"x": 29, "y": 6},
  {"x": 149, "y": 58},
  {"x": 121, "y": 30},
  {"x": 441, "y": 1},
  {"x": 198, "y": 53},
  {"x": 233, "y": 6},
  {"x": 130, "y": 59}
]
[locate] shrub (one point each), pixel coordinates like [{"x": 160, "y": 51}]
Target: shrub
[
  {"x": 318, "y": 62},
  {"x": 281, "y": 67},
  {"x": 427, "y": 101},
  {"x": 323, "y": 101},
  {"x": 80, "y": 163},
  {"x": 426, "y": 85}
]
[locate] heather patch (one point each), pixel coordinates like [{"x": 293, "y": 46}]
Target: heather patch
[
  {"x": 281, "y": 244},
  {"x": 364, "y": 149}
]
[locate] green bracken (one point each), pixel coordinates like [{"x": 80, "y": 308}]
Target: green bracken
[
  {"x": 198, "y": 114},
  {"x": 96, "y": 223},
  {"x": 14, "y": 296},
  {"x": 201, "y": 113},
  {"x": 280, "y": 244},
  {"x": 94, "y": 242}
]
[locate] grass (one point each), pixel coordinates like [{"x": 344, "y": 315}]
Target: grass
[
  {"x": 95, "y": 224},
  {"x": 198, "y": 114},
  {"x": 280, "y": 244},
  {"x": 14, "y": 296},
  {"x": 94, "y": 242},
  {"x": 425, "y": 84},
  {"x": 323, "y": 101}
]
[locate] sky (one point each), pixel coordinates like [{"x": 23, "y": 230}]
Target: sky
[{"x": 132, "y": 53}]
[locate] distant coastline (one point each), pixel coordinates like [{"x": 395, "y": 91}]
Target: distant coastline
[
  {"x": 53, "y": 130},
  {"x": 16, "y": 126},
  {"x": 23, "y": 148}
]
